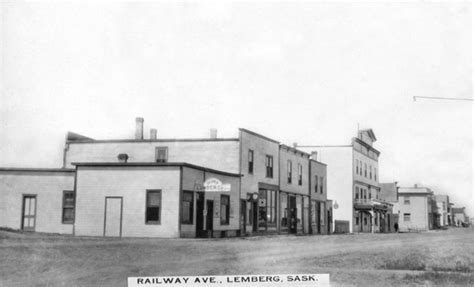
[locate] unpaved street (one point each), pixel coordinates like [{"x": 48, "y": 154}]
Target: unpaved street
[{"x": 361, "y": 259}]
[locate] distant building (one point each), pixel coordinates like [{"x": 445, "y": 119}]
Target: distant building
[
  {"x": 389, "y": 193},
  {"x": 459, "y": 216},
  {"x": 442, "y": 217},
  {"x": 353, "y": 184},
  {"x": 415, "y": 208}
]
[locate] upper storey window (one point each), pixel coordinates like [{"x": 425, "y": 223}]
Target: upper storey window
[{"x": 161, "y": 154}]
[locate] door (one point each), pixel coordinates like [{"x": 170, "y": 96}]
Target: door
[
  {"x": 318, "y": 214},
  {"x": 200, "y": 214},
  {"x": 255, "y": 216},
  {"x": 113, "y": 217},
  {"x": 243, "y": 219},
  {"x": 293, "y": 214},
  {"x": 28, "y": 221},
  {"x": 210, "y": 215}
]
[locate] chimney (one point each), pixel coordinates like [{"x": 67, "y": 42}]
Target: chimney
[
  {"x": 416, "y": 185},
  {"x": 314, "y": 155},
  {"x": 153, "y": 134},
  {"x": 139, "y": 128},
  {"x": 213, "y": 134},
  {"x": 123, "y": 157},
  {"x": 295, "y": 145}
]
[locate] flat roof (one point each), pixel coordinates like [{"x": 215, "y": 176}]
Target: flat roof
[
  {"x": 154, "y": 164},
  {"x": 152, "y": 140},
  {"x": 22, "y": 169}
]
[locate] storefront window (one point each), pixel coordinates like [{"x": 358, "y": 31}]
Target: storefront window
[
  {"x": 314, "y": 213},
  {"x": 187, "y": 207},
  {"x": 299, "y": 213},
  {"x": 284, "y": 212},
  {"x": 267, "y": 210},
  {"x": 322, "y": 209}
]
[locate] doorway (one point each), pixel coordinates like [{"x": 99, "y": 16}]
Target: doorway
[
  {"x": 28, "y": 221},
  {"x": 209, "y": 217},
  {"x": 200, "y": 214},
  {"x": 243, "y": 219},
  {"x": 113, "y": 216},
  {"x": 255, "y": 216},
  {"x": 293, "y": 214}
]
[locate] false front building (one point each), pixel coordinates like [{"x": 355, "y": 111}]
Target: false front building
[{"x": 353, "y": 185}]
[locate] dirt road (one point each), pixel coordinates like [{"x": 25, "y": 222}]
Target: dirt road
[{"x": 361, "y": 259}]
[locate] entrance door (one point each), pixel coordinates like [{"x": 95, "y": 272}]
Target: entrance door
[
  {"x": 243, "y": 219},
  {"x": 113, "y": 217},
  {"x": 293, "y": 214},
  {"x": 210, "y": 216},
  {"x": 200, "y": 214},
  {"x": 255, "y": 216},
  {"x": 28, "y": 221}
]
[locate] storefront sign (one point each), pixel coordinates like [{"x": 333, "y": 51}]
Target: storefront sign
[{"x": 213, "y": 185}]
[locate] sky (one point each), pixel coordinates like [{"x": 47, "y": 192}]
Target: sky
[{"x": 305, "y": 72}]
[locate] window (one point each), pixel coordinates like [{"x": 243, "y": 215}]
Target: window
[
  {"x": 365, "y": 220},
  {"x": 406, "y": 217},
  {"x": 365, "y": 193},
  {"x": 365, "y": 170},
  {"x": 269, "y": 165},
  {"x": 153, "y": 207},
  {"x": 357, "y": 166},
  {"x": 316, "y": 184},
  {"x": 267, "y": 203},
  {"x": 406, "y": 200},
  {"x": 289, "y": 168},
  {"x": 370, "y": 172},
  {"x": 300, "y": 174},
  {"x": 321, "y": 185},
  {"x": 161, "y": 154},
  {"x": 357, "y": 193},
  {"x": 68, "y": 206},
  {"x": 370, "y": 194},
  {"x": 250, "y": 161},
  {"x": 187, "y": 207},
  {"x": 375, "y": 173},
  {"x": 225, "y": 209},
  {"x": 357, "y": 220}
]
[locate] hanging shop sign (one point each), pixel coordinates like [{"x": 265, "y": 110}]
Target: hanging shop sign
[{"x": 213, "y": 185}]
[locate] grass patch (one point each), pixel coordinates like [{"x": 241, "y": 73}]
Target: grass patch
[
  {"x": 411, "y": 262},
  {"x": 441, "y": 278},
  {"x": 459, "y": 266}
]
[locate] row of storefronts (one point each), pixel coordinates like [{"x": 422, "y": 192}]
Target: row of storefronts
[{"x": 212, "y": 187}]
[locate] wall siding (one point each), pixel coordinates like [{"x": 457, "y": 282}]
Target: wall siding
[
  {"x": 131, "y": 183},
  {"x": 48, "y": 188},
  {"x": 219, "y": 155}
]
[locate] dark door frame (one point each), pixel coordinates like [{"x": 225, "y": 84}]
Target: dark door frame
[
  {"x": 210, "y": 215},
  {"x": 293, "y": 215},
  {"x": 200, "y": 207},
  {"x": 243, "y": 217}
]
